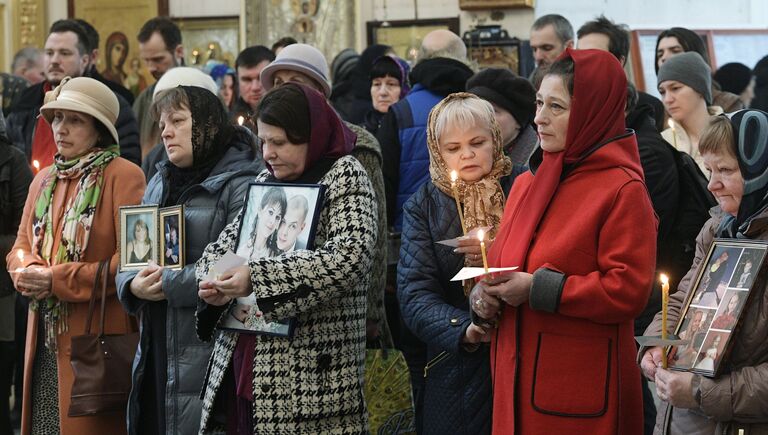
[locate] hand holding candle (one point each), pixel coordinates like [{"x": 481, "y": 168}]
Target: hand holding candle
[
  {"x": 664, "y": 305},
  {"x": 20, "y": 256},
  {"x": 36, "y": 164},
  {"x": 454, "y": 177},
  {"x": 481, "y": 237}
]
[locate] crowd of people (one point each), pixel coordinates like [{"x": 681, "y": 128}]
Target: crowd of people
[{"x": 571, "y": 175}]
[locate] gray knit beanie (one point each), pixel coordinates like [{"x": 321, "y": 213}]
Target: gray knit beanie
[{"x": 690, "y": 69}]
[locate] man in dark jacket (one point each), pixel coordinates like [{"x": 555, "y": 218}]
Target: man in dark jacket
[
  {"x": 249, "y": 65},
  {"x": 66, "y": 54},
  {"x": 15, "y": 177},
  {"x": 439, "y": 71}
]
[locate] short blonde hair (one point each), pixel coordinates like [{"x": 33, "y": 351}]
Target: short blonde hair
[
  {"x": 464, "y": 112},
  {"x": 717, "y": 137}
]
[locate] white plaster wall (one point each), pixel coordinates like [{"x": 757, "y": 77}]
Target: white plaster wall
[{"x": 204, "y": 8}]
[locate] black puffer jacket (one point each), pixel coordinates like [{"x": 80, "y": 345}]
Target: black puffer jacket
[
  {"x": 455, "y": 396},
  {"x": 21, "y": 121},
  {"x": 208, "y": 208},
  {"x": 15, "y": 177}
]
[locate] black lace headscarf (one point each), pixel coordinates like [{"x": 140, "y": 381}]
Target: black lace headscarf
[
  {"x": 750, "y": 131},
  {"x": 212, "y": 135}
]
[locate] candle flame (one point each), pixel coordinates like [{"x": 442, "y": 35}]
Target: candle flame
[
  {"x": 664, "y": 279},
  {"x": 240, "y": 120},
  {"x": 671, "y": 124},
  {"x": 454, "y": 176},
  {"x": 36, "y": 164},
  {"x": 20, "y": 254},
  {"x": 480, "y": 235}
]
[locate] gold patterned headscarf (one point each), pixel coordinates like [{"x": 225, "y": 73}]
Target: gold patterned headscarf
[{"x": 483, "y": 200}]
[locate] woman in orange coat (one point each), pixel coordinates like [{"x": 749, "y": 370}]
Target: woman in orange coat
[
  {"x": 69, "y": 225},
  {"x": 583, "y": 232}
]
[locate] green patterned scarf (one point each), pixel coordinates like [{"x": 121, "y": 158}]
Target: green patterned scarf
[{"x": 75, "y": 226}]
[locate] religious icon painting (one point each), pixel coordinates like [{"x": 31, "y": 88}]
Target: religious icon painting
[
  {"x": 278, "y": 220},
  {"x": 732, "y": 271}
]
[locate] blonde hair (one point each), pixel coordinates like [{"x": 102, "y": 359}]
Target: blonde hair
[
  {"x": 717, "y": 137},
  {"x": 464, "y": 112}
]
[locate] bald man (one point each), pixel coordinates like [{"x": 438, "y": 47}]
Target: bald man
[{"x": 441, "y": 69}]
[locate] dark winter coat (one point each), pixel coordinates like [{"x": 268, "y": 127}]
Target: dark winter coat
[
  {"x": 208, "y": 208},
  {"x": 22, "y": 119},
  {"x": 456, "y": 388},
  {"x": 15, "y": 177}
]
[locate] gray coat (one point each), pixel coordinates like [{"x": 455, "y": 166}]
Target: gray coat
[{"x": 208, "y": 208}]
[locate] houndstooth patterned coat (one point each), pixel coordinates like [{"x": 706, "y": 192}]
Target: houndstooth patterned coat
[{"x": 312, "y": 383}]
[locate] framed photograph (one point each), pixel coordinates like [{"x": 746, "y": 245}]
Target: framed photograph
[
  {"x": 172, "y": 238},
  {"x": 723, "y": 287},
  {"x": 138, "y": 241},
  {"x": 277, "y": 220},
  {"x": 404, "y": 36}
]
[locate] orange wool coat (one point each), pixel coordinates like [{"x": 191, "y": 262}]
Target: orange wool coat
[{"x": 73, "y": 282}]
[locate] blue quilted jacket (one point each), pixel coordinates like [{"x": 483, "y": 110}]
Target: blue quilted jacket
[{"x": 455, "y": 396}]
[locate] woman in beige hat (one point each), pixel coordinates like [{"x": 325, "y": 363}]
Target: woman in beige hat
[{"x": 69, "y": 225}]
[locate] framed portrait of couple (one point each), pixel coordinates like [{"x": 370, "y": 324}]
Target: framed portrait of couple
[
  {"x": 732, "y": 270},
  {"x": 277, "y": 220},
  {"x": 149, "y": 233}
]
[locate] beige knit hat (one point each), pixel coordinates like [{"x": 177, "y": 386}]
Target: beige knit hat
[{"x": 84, "y": 95}]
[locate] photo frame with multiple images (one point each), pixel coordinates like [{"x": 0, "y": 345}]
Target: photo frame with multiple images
[
  {"x": 277, "y": 220},
  {"x": 723, "y": 287},
  {"x": 149, "y": 233}
]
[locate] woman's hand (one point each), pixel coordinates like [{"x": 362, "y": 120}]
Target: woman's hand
[
  {"x": 469, "y": 245},
  {"x": 35, "y": 282},
  {"x": 651, "y": 361},
  {"x": 476, "y": 334},
  {"x": 208, "y": 293},
  {"x": 513, "y": 288},
  {"x": 483, "y": 304},
  {"x": 675, "y": 388},
  {"x": 235, "y": 283},
  {"x": 148, "y": 283}
]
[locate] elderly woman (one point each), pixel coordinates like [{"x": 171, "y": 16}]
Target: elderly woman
[
  {"x": 735, "y": 400},
  {"x": 389, "y": 84},
  {"x": 209, "y": 165},
  {"x": 452, "y": 386},
  {"x": 583, "y": 234},
  {"x": 685, "y": 86},
  {"x": 310, "y": 383},
  {"x": 69, "y": 225}
]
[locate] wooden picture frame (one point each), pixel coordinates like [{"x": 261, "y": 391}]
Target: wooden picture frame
[
  {"x": 404, "y": 36},
  {"x": 284, "y": 217},
  {"x": 731, "y": 275},
  {"x": 469, "y": 5},
  {"x": 138, "y": 223},
  {"x": 172, "y": 224}
]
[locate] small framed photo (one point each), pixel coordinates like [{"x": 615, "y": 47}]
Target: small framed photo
[
  {"x": 278, "y": 219},
  {"x": 173, "y": 237},
  {"x": 723, "y": 287},
  {"x": 138, "y": 241}
]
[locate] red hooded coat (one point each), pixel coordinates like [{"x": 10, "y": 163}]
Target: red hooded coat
[{"x": 585, "y": 227}]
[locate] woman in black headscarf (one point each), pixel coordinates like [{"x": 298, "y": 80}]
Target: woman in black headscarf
[
  {"x": 209, "y": 165},
  {"x": 735, "y": 151}
]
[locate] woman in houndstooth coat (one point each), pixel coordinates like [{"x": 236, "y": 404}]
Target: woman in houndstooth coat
[{"x": 313, "y": 382}]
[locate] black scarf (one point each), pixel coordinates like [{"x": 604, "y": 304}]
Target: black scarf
[{"x": 212, "y": 136}]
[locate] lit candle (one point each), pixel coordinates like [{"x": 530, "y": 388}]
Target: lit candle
[
  {"x": 20, "y": 255},
  {"x": 240, "y": 120},
  {"x": 481, "y": 237},
  {"x": 36, "y": 164},
  {"x": 454, "y": 177},
  {"x": 664, "y": 305},
  {"x": 674, "y": 132}
]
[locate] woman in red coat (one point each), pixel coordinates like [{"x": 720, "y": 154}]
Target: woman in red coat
[{"x": 583, "y": 232}]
